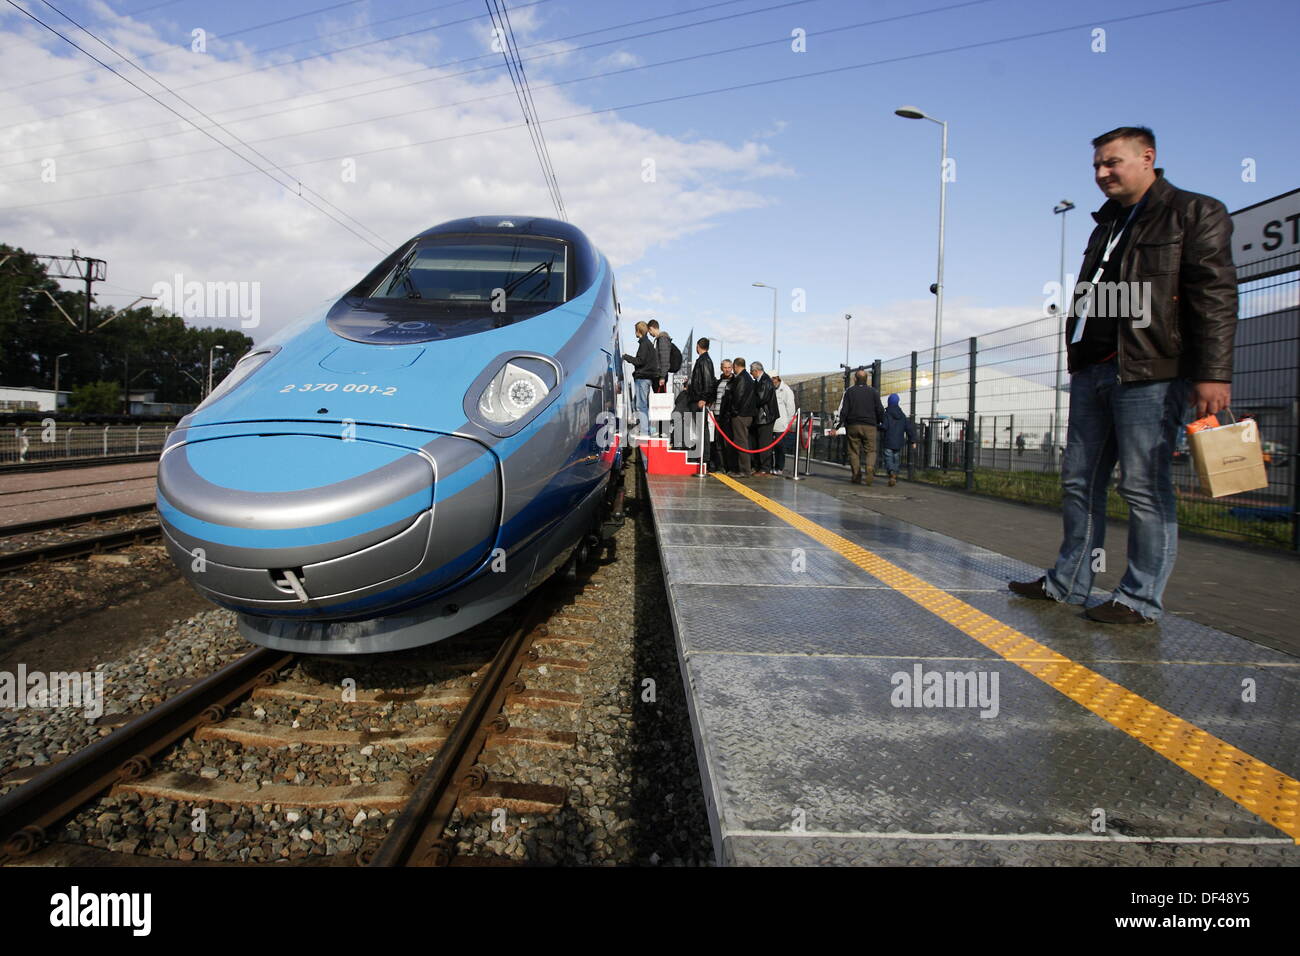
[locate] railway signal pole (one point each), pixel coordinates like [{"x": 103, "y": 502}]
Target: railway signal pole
[{"x": 75, "y": 266}]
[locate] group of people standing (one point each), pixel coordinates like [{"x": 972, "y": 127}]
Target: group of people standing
[
  {"x": 748, "y": 405},
  {"x": 754, "y": 410}
]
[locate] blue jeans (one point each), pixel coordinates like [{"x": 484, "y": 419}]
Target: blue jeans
[
  {"x": 643, "y": 406},
  {"x": 892, "y": 456},
  {"x": 1135, "y": 425}
]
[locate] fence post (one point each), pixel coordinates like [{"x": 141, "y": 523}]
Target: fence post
[
  {"x": 137, "y": 439},
  {"x": 911, "y": 413},
  {"x": 1011, "y": 440},
  {"x": 703, "y": 442},
  {"x": 798, "y": 439},
  {"x": 106, "y": 428},
  {"x": 1295, "y": 460},
  {"x": 67, "y": 442},
  {"x": 970, "y": 421}
]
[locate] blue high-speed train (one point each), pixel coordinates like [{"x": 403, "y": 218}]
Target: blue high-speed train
[{"x": 416, "y": 457}]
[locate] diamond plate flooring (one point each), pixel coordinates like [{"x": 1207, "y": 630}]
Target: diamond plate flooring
[{"x": 815, "y": 748}]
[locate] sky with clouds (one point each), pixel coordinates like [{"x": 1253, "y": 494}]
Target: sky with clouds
[{"x": 703, "y": 145}]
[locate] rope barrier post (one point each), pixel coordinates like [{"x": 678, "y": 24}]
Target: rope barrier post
[
  {"x": 704, "y": 445},
  {"x": 798, "y": 440}
]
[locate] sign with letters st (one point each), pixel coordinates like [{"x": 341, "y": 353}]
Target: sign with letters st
[{"x": 1267, "y": 236}]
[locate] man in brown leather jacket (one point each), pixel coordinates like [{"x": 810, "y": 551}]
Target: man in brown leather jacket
[{"x": 1150, "y": 336}]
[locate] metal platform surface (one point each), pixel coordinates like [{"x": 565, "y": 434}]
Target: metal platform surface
[{"x": 803, "y": 620}]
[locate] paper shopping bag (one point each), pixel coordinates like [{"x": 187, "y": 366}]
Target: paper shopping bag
[
  {"x": 661, "y": 406},
  {"x": 1229, "y": 458}
]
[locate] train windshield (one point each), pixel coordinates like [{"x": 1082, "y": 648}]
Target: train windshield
[{"x": 504, "y": 275}]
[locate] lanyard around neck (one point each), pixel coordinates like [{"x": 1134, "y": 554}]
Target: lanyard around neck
[{"x": 1085, "y": 304}]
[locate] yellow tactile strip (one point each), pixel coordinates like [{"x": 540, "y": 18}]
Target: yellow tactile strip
[{"x": 1260, "y": 788}]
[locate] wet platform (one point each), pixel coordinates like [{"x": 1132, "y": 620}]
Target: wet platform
[{"x": 864, "y": 690}]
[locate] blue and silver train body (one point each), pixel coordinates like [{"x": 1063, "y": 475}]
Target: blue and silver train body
[{"x": 417, "y": 456}]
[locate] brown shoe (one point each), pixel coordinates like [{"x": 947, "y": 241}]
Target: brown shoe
[
  {"x": 892, "y": 481},
  {"x": 1112, "y": 612},
  {"x": 1032, "y": 589}
]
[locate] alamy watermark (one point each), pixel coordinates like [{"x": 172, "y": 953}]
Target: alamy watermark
[
  {"x": 39, "y": 690},
  {"x": 210, "y": 300},
  {"x": 1103, "y": 300},
  {"x": 947, "y": 689}
]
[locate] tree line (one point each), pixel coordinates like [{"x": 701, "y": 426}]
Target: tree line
[{"x": 135, "y": 350}]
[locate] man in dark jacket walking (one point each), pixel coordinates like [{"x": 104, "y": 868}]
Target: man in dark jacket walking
[
  {"x": 645, "y": 370},
  {"x": 1149, "y": 333},
  {"x": 898, "y": 432},
  {"x": 740, "y": 404},
  {"x": 861, "y": 414}
]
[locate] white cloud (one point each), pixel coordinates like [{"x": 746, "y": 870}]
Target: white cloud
[
  {"x": 618, "y": 60},
  {"x": 896, "y": 328},
  {"x": 239, "y": 226}
]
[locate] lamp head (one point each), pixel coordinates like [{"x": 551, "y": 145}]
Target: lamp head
[{"x": 909, "y": 112}]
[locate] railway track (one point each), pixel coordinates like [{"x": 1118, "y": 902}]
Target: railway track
[
  {"x": 58, "y": 464},
  {"x": 96, "y": 542},
  {"x": 478, "y": 709}
]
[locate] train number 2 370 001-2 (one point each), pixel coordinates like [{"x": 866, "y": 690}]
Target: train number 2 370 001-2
[{"x": 336, "y": 387}]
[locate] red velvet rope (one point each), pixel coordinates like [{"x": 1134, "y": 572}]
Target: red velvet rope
[{"x": 750, "y": 451}]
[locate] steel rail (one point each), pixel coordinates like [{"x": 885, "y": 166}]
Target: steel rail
[
  {"x": 126, "y": 753},
  {"x": 416, "y": 836},
  {"x": 71, "y": 521},
  {"x": 55, "y": 464},
  {"x": 91, "y": 544}
]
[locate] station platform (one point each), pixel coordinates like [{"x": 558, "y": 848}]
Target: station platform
[{"x": 866, "y": 691}]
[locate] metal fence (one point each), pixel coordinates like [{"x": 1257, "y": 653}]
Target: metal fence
[
  {"x": 53, "y": 441},
  {"x": 994, "y": 419}
]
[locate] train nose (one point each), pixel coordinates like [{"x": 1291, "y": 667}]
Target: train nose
[{"x": 314, "y": 527}]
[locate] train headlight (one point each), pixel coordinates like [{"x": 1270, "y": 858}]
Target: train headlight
[{"x": 512, "y": 393}]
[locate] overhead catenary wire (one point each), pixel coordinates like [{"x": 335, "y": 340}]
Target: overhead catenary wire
[
  {"x": 393, "y": 76},
  {"x": 352, "y": 84},
  {"x": 782, "y": 39},
  {"x": 652, "y": 102},
  {"x": 276, "y": 66},
  {"x": 231, "y": 34},
  {"x": 513, "y": 67},
  {"x": 528, "y": 91},
  {"x": 382, "y": 248},
  {"x": 223, "y": 79}
]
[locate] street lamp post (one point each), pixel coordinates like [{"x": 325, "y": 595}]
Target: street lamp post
[
  {"x": 778, "y": 361},
  {"x": 911, "y": 112},
  {"x": 57, "y": 359},
  {"x": 848, "y": 322},
  {"x": 1060, "y": 209},
  {"x": 215, "y": 348},
  {"x": 762, "y": 285}
]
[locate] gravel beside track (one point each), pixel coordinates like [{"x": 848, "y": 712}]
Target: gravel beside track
[
  {"x": 36, "y": 597},
  {"x": 189, "y": 651},
  {"x": 633, "y": 780}
]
